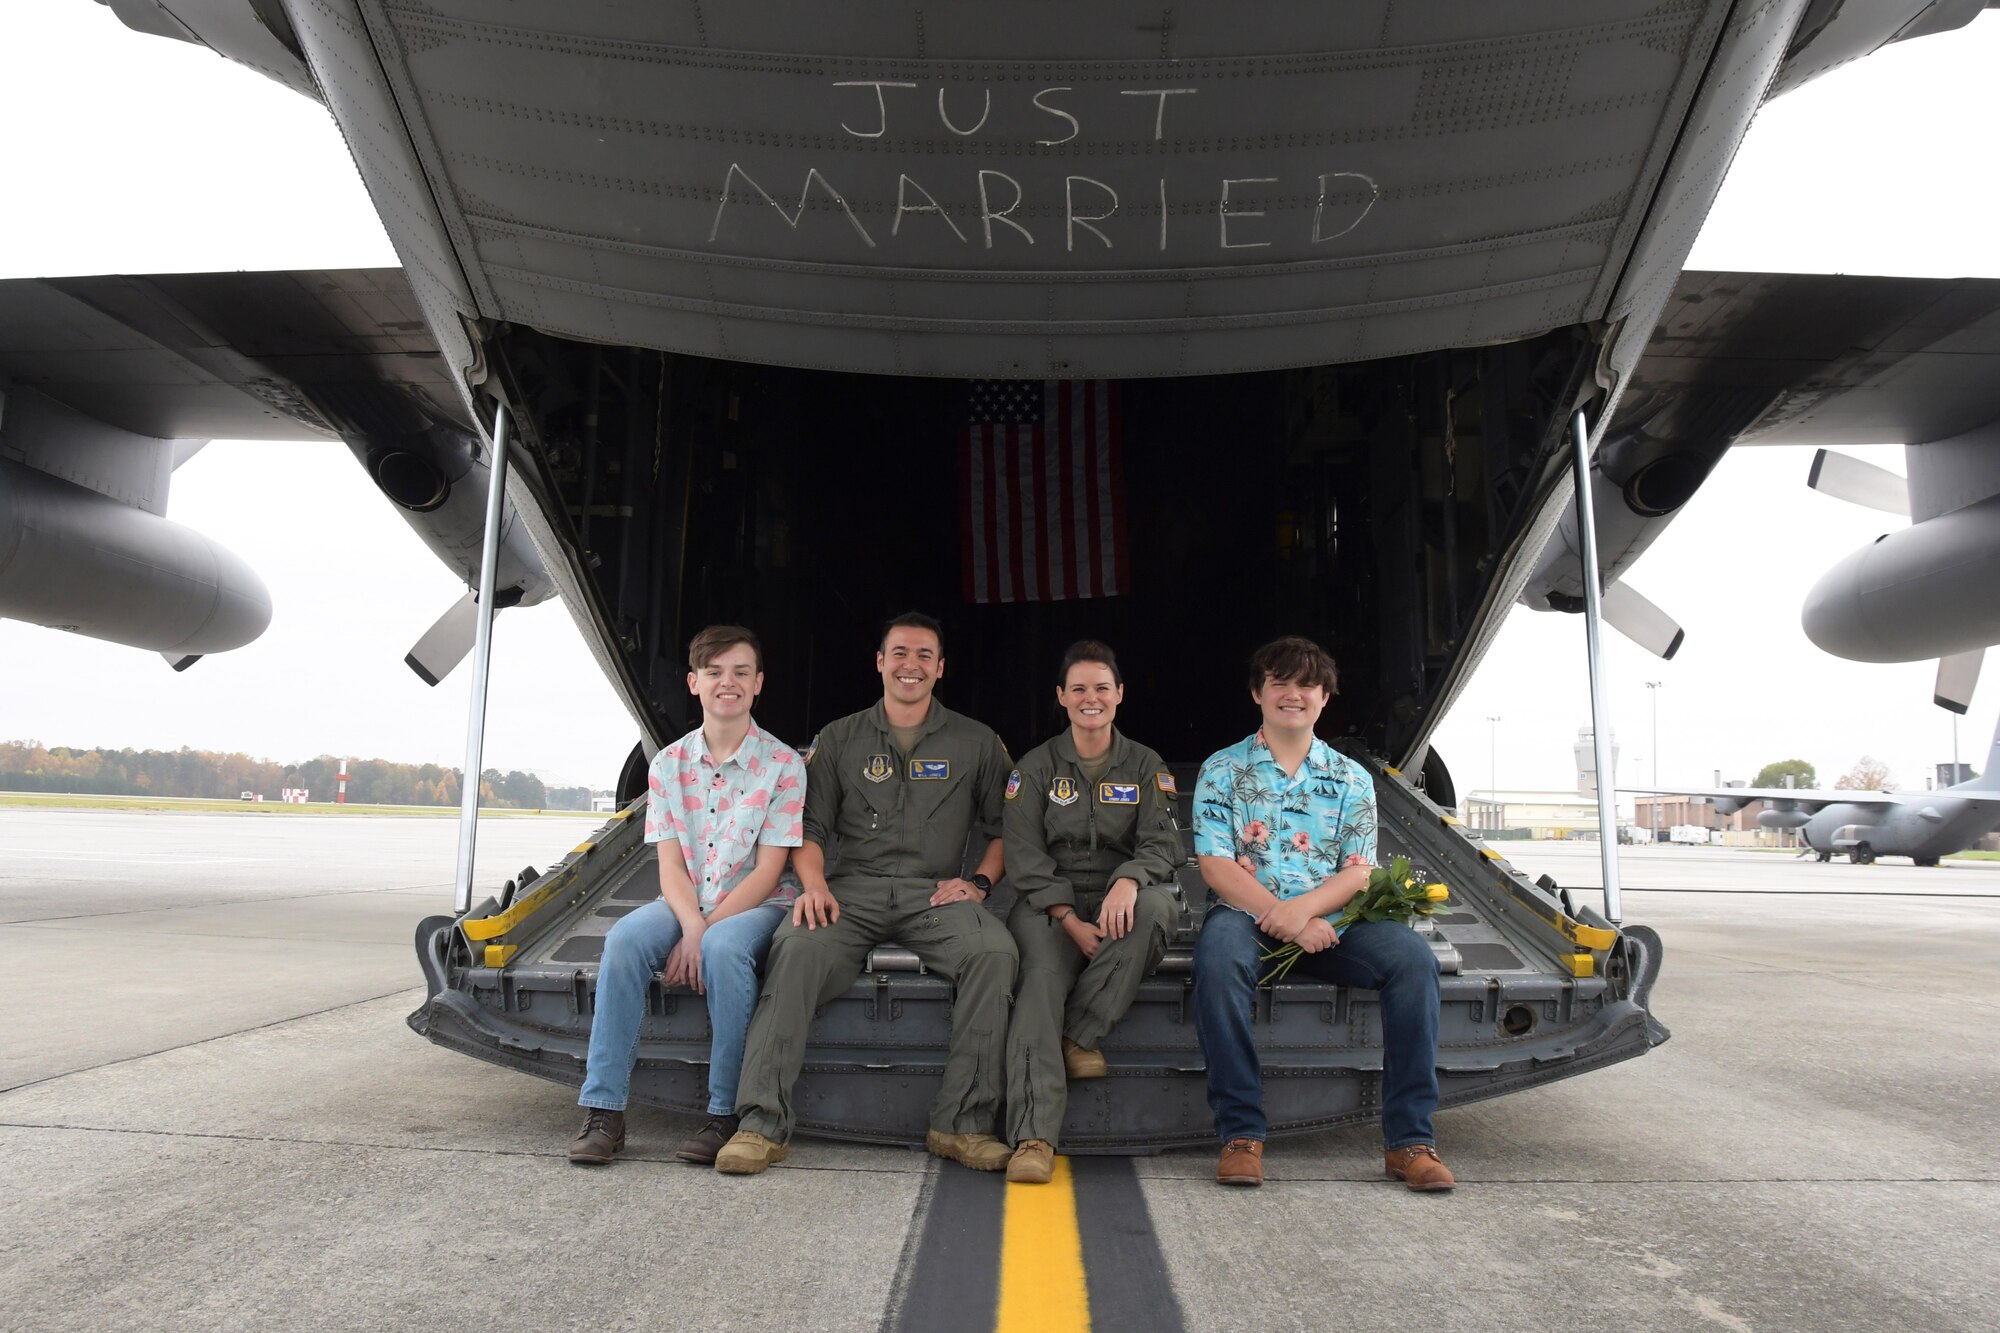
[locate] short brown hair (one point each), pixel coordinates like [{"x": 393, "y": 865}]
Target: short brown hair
[
  {"x": 1090, "y": 650},
  {"x": 1293, "y": 658},
  {"x": 716, "y": 640}
]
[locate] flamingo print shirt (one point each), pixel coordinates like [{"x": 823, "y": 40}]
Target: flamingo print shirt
[
  {"x": 1292, "y": 831},
  {"x": 721, "y": 813}
]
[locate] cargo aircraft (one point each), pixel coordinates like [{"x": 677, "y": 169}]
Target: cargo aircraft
[
  {"x": 1180, "y": 328},
  {"x": 1864, "y": 825}
]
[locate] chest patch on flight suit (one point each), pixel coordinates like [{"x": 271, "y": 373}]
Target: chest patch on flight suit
[
  {"x": 1166, "y": 784},
  {"x": 1117, "y": 793},
  {"x": 930, "y": 770},
  {"x": 877, "y": 768},
  {"x": 1063, "y": 791},
  {"x": 1013, "y": 784}
]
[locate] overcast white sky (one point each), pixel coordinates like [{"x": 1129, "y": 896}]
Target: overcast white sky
[{"x": 130, "y": 154}]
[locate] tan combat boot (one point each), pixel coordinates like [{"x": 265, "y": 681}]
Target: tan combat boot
[
  {"x": 1033, "y": 1163},
  {"x": 1418, "y": 1166},
  {"x": 1081, "y": 1062},
  {"x": 749, "y": 1152},
  {"x": 981, "y": 1152}
]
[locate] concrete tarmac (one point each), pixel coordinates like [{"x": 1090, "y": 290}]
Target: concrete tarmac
[{"x": 213, "y": 1116}]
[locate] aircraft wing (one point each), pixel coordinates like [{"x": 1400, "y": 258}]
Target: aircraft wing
[
  {"x": 1813, "y": 799},
  {"x": 108, "y": 383},
  {"x": 259, "y": 356},
  {"x": 1829, "y": 359}
]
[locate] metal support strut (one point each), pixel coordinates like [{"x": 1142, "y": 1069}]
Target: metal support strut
[
  {"x": 482, "y": 661},
  {"x": 1593, "y": 632}
]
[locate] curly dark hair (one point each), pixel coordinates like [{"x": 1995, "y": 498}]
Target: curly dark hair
[{"x": 1293, "y": 658}]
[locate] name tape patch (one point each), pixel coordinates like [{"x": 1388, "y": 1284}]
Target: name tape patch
[
  {"x": 1118, "y": 793},
  {"x": 930, "y": 770}
]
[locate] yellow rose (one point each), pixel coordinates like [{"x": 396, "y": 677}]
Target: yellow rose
[{"x": 1436, "y": 893}]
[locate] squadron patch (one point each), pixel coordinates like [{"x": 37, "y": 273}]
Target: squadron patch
[
  {"x": 1165, "y": 781},
  {"x": 877, "y": 768},
  {"x": 1063, "y": 791},
  {"x": 1013, "y": 784},
  {"x": 1118, "y": 793},
  {"x": 930, "y": 770}
]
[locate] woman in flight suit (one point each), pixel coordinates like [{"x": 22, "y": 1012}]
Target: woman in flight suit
[{"x": 1091, "y": 853}]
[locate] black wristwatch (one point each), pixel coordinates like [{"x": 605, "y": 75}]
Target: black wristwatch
[{"x": 983, "y": 884}]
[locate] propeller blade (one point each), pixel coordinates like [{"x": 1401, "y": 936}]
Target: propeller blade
[
  {"x": 446, "y": 643},
  {"x": 180, "y": 661},
  {"x": 1856, "y": 482},
  {"x": 1956, "y": 675},
  {"x": 1642, "y": 622}
]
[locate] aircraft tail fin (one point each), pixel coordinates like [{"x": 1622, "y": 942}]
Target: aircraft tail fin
[{"x": 1988, "y": 778}]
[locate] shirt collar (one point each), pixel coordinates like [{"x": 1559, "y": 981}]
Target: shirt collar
[
  {"x": 754, "y": 742},
  {"x": 1064, "y": 747},
  {"x": 1320, "y": 757},
  {"x": 933, "y": 719}
]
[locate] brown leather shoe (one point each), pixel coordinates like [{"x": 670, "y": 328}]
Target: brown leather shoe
[
  {"x": 981, "y": 1152},
  {"x": 749, "y": 1152},
  {"x": 600, "y": 1139},
  {"x": 1418, "y": 1166},
  {"x": 708, "y": 1140},
  {"x": 1033, "y": 1163},
  {"x": 1081, "y": 1062},
  {"x": 1242, "y": 1163}
]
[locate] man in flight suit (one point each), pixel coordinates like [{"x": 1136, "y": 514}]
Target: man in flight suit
[{"x": 900, "y": 784}]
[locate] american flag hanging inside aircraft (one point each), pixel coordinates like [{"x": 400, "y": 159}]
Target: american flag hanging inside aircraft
[{"x": 1043, "y": 491}]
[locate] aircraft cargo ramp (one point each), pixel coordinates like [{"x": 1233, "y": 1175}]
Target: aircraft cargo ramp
[{"x": 1533, "y": 989}]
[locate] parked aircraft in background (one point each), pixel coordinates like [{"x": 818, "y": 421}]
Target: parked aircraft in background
[{"x": 1864, "y": 825}]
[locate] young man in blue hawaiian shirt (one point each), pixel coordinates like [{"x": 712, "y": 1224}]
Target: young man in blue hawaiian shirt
[{"x": 1285, "y": 832}]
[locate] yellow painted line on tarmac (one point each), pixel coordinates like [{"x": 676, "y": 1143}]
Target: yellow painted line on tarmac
[{"x": 1042, "y": 1286}]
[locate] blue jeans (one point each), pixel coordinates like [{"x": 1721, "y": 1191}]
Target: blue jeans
[
  {"x": 731, "y": 952},
  {"x": 1381, "y": 956}
]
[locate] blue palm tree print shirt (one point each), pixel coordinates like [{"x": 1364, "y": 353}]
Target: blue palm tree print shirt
[{"x": 1291, "y": 831}]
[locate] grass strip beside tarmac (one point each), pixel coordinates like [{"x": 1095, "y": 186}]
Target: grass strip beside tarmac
[{"x": 209, "y": 805}]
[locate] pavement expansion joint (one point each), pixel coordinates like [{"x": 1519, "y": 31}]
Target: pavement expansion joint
[
  {"x": 205, "y": 1041},
  {"x": 255, "y": 900},
  {"x": 1537, "y": 1182}
]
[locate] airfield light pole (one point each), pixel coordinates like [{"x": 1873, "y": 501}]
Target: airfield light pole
[
  {"x": 1653, "y": 692},
  {"x": 482, "y": 660},
  {"x": 1493, "y": 769},
  {"x": 1593, "y": 636}
]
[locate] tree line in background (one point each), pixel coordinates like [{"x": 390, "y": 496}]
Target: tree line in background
[{"x": 30, "y": 766}]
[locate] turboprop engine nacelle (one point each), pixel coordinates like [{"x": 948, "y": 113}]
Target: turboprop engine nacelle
[
  {"x": 1926, "y": 591},
  {"x": 1773, "y": 817},
  {"x": 73, "y": 559}
]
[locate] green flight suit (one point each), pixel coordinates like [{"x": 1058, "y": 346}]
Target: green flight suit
[
  {"x": 899, "y": 823},
  {"x": 1068, "y": 840}
]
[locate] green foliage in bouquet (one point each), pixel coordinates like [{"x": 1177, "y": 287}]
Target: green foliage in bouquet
[{"x": 1393, "y": 894}]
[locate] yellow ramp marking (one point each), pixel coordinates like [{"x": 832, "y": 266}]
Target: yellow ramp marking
[{"x": 1042, "y": 1288}]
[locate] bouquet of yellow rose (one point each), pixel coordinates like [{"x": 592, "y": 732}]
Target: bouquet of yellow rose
[{"x": 1393, "y": 894}]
